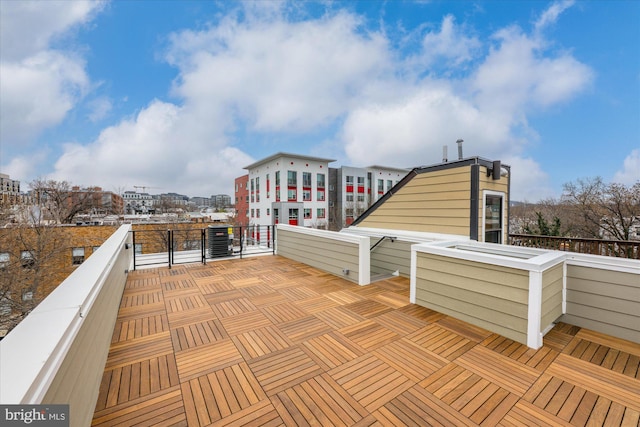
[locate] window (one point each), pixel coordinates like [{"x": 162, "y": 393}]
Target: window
[
  {"x": 4, "y": 259},
  {"x": 291, "y": 195},
  {"x": 306, "y": 179},
  {"x": 257, "y": 197},
  {"x": 380, "y": 186},
  {"x": 349, "y": 180},
  {"x": 277, "y": 178},
  {"x": 320, "y": 180},
  {"x": 268, "y": 211},
  {"x": 252, "y": 212},
  {"x": 277, "y": 195},
  {"x": 292, "y": 178},
  {"x": 293, "y": 214},
  {"x": 252, "y": 185},
  {"x": 257, "y": 213},
  {"x": 138, "y": 248},
  {"x": 77, "y": 256},
  {"x": 26, "y": 257},
  {"x": 307, "y": 214},
  {"x": 349, "y": 197},
  {"x": 320, "y": 195},
  {"x": 389, "y": 184},
  {"x": 306, "y": 195},
  {"x": 361, "y": 197},
  {"x": 257, "y": 184},
  {"x": 361, "y": 181},
  {"x": 320, "y": 212},
  {"x": 492, "y": 217},
  {"x": 27, "y": 296}
]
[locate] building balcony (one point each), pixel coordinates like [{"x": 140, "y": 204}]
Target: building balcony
[{"x": 269, "y": 340}]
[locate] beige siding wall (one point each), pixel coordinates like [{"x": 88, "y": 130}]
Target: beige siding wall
[
  {"x": 389, "y": 256},
  {"x": 77, "y": 381},
  {"x": 435, "y": 202},
  {"x": 502, "y": 186},
  {"x": 329, "y": 255},
  {"x": 551, "y": 296},
  {"x": 489, "y": 296},
  {"x": 604, "y": 300}
]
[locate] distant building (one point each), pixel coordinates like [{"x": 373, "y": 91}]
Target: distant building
[
  {"x": 220, "y": 201},
  {"x": 97, "y": 201},
  {"x": 353, "y": 190},
  {"x": 242, "y": 200},
  {"x": 289, "y": 188},
  {"x": 137, "y": 203},
  {"x": 200, "y": 201},
  {"x": 9, "y": 190}
]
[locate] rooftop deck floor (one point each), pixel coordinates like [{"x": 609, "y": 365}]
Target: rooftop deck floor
[{"x": 268, "y": 341}]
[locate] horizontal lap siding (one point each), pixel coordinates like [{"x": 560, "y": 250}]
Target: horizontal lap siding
[
  {"x": 329, "y": 255},
  {"x": 78, "y": 379},
  {"x": 390, "y": 256},
  {"x": 551, "y": 296},
  {"x": 436, "y": 202},
  {"x": 488, "y": 296},
  {"x": 604, "y": 300}
]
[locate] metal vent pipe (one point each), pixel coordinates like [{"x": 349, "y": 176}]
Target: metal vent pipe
[{"x": 459, "y": 142}]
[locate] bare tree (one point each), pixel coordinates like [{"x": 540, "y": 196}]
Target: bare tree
[
  {"x": 601, "y": 210},
  {"x": 32, "y": 260},
  {"x": 58, "y": 202}
]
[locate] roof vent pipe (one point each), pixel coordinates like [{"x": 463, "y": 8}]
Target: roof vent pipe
[
  {"x": 445, "y": 158},
  {"x": 459, "y": 142}
]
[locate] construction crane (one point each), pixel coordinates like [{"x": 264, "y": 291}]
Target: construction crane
[{"x": 144, "y": 187}]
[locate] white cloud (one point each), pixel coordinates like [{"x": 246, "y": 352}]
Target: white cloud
[
  {"x": 38, "y": 92},
  {"x": 279, "y": 76},
  {"x": 99, "y": 108},
  {"x": 552, "y": 13},
  {"x": 156, "y": 148},
  {"x": 39, "y": 85},
  {"x": 529, "y": 183},
  {"x": 630, "y": 172},
  {"x": 450, "y": 43}
]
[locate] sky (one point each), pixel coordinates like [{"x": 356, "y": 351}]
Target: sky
[{"x": 180, "y": 96}]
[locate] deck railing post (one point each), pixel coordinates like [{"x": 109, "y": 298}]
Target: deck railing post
[
  {"x": 133, "y": 238},
  {"x": 169, "y": 247},
  {"x": 203, "y": 242}
]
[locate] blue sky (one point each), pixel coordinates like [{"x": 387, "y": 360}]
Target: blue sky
[{"x": 181, "y": 95}]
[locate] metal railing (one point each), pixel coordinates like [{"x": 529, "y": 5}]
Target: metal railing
[
  {"x": 181, "y": 246},
  {"x": 615, "y": 248}
]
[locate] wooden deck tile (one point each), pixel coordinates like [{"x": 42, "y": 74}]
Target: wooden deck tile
[
  {"x": 161, "y": 407},
  {"x": 207, "y": 358},
  {"x": 370, "y": 381},
  {"x": 259, "y": 342},
  {"x": 302, "y": 329},
  {"x": 221, "y": 393},
  {"x": 283, "y": 369},
  {"x": 245, "y": 322},
  {"x": 412, "y": 360},
  {"x": 418, "y": 407},
  {"x": 332, "y": 350},
  {"x": 400, "y": 323},
  {"x": 369, "y": 335},
  {"x": 282, "y": 313},
  {"x": 321, "y": 401},
  {"x": 266, "y": 341},
  {"x": 441, "y": 341},
  {"x": 195, "y": 334},
  {"x": 339, "y": 317},
  {"x": 507, "y": 373}
]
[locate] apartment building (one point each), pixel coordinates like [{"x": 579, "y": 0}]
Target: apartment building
[
  {"x": 290, "y": 189},
  {"x": 353, "y": 190},
  {"x": 242, "y": 200},
  {"x": 138, "y": 203},
  {"x": 9, "y": 190}
]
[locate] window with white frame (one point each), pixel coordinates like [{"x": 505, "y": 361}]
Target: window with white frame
[{"x": 77, "y": 256}]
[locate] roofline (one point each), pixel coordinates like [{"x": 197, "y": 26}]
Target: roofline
[
  {"x": 420, "y": 170},
  {"x": 291, "y": 155}
]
